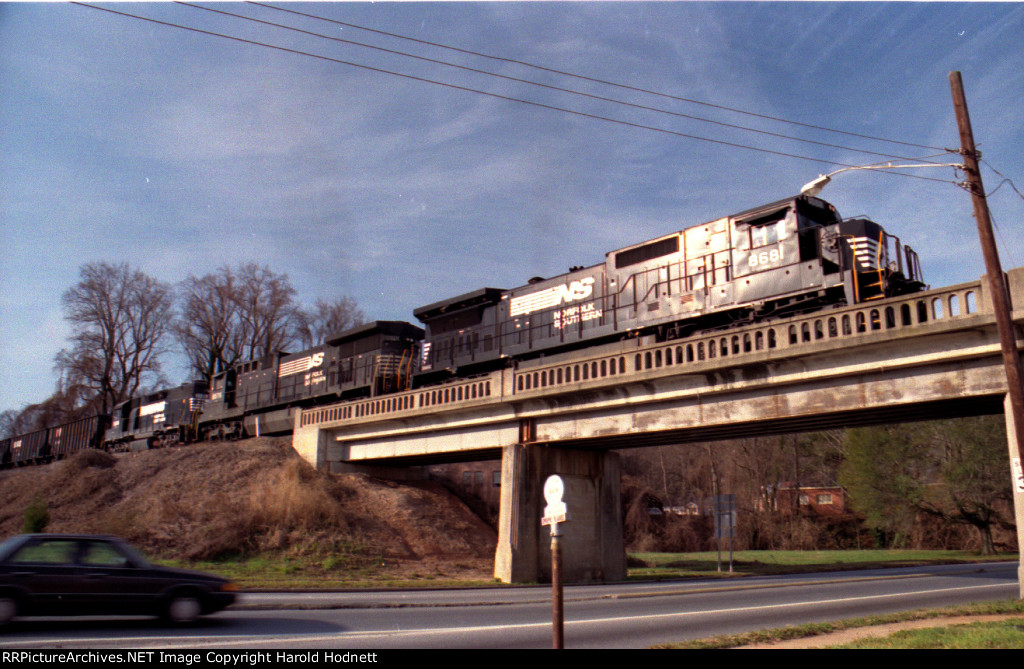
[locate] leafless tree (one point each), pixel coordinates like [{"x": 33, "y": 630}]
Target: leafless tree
[
  {"x": 64, "y": 406},
  {"x": 209, "y": 329},
  {"x": 9, "y": 425},
  {"x": 266, "y": 310},
  {"x": 120, "y": 318},
  {"x": 235, "y": 315},
  {"x": 323, "y": 319}
]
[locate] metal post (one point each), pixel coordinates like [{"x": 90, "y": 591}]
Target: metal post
[
  {"x": 996, "y": 279},
  {"x": 557, "y": 600}
]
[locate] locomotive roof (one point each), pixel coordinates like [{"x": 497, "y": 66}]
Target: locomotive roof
[
  {"x": 778, "y": 204},
  {"x": 747, "y": 213},
  {"x": 399, "y": 328},
  {"x": 476, "y": 298}
]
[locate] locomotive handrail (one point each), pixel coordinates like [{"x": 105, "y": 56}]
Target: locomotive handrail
[{"x": 624, "y": 361}]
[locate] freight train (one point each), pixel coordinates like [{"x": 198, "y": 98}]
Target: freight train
[{"x": 780, "y": 259}]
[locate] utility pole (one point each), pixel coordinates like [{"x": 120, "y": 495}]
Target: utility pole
[{"x": 1014, "y": 405}]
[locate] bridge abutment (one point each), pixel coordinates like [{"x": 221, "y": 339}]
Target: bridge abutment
[{"x": 592, "y": 539}]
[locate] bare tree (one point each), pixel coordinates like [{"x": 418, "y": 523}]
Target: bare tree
[
  {"x": 120, "y": 318},
  {"x": 64, "y": 406},
  {"x": 210, "y": 329},
  {"x": 314, "y": 325},
  {"x": 235, "y": 315},
  {"x": 266, "y": 310}
]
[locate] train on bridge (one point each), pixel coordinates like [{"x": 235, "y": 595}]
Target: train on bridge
[{"x": 788, "y": 257}]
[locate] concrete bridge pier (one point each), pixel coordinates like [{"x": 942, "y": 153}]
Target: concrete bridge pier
[
  {"x": 592, "y": 538},
  {"x": 1018, "y": 489}
]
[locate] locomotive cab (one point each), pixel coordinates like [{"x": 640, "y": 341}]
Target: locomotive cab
[{"x": 880, "y": 265}]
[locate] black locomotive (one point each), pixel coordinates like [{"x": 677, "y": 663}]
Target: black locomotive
[
  {"x": 787, "y": 257},
  {"x": 260, "y": 396},
  {"x": 783, "y": 258}
]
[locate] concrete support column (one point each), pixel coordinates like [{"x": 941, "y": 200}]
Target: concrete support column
[
  {"x": 1018, "y": 490},
  {"x": 592, "y": 543},
  {"x": 311, "y": 443}
]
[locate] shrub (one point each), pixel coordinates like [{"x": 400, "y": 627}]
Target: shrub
[{"x": 37, "y": 516}]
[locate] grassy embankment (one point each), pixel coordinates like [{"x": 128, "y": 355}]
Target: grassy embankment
[
  {"x": 765, "y": 563},
  {"x": 1004, "y": 634},
  {"x": 359, "y": 569}
]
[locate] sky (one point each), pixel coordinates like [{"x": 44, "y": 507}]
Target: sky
[{"x": 400, "y": 182}]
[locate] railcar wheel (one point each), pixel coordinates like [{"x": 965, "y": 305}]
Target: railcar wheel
[{"x": 183, "y": 609}]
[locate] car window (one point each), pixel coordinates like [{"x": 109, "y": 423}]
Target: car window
[
  {"x": 53, "y": 551},
  {"x": 103, "y": 554}
]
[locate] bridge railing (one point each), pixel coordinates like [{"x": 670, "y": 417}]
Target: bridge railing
[
  {"x": 844, "y": 323},
  {"x": 613, "y": 364}
]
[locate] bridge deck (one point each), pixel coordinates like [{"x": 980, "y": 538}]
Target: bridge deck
[{"x": 915, "y": 356}]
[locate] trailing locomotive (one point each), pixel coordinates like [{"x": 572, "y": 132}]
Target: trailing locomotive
[
  {"x": 786, "y": 257},
  {"x": 260, "y": 397},
  {"x": 163, "y": 418},
  {"x": 783, "y": 258}
]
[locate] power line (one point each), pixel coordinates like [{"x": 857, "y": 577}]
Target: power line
[
  {"x": 535, "y": 83},
  {"x": 595, "y": 80},
  {"x": 486, "y": 93},
  {"x": 1005, "y": 180}
]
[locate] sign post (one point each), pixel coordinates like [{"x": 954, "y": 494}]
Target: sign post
[
  {"x": 555, "y": 513},
  {"x": 725, "y": 524}
]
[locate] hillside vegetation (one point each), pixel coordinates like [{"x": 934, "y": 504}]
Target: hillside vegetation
[{"x": 236, "y": 499}]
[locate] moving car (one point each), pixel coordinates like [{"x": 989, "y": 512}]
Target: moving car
[{"x": 66, "y": 574}]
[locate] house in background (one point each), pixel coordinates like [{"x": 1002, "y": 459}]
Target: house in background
[{"x": 820, "y": 499}]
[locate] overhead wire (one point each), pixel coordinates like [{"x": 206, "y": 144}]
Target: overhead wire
[
  {"x": 1005, "y": 180},
  {"x": 594, "y": 79},
  {"x": 999, "y": 233},
  {"x": 486, "y": 93},
  {"x": 532, "y": 83}
]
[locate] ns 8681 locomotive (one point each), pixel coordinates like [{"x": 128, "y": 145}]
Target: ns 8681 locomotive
[{"x": 783, "y": 258}]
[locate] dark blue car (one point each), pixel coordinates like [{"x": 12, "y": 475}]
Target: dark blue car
[{"x": 66, "y": 575}]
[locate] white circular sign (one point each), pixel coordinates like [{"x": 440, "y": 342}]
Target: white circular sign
[{"x": 553, "y": 489}]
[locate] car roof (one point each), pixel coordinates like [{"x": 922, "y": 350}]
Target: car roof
[{"x": 11, "y": 544}]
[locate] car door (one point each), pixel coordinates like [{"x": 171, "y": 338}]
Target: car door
[
  {"x": 112, "y": 579},
  {"x": 44, "y": 569}
]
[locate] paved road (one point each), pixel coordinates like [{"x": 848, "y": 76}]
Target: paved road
[{"x": 633, "y": 615}]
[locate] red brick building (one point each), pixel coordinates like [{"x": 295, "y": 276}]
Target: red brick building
[{"x": 819, "y": 499}]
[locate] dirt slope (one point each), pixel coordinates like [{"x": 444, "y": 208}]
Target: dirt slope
[{"x": 206, "y": 500}]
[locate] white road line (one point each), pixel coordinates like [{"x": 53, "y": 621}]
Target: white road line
[{"x": 255, "y": 640}]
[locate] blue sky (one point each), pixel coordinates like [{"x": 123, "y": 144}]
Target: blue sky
[{"x": 179, "y": 152}]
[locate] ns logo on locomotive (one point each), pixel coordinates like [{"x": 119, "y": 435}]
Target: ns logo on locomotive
[{"x": 780, "y": 259}]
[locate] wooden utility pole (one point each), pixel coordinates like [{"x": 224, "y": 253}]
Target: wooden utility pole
[{"x": 1000, "y": 303}]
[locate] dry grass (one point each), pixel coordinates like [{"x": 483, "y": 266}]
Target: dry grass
[{"x": 243, "y": 498}]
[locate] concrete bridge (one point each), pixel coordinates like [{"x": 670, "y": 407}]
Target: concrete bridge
[{"x": 929, "y": 355}]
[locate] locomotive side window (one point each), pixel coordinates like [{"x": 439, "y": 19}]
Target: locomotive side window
[
  {"x": 768, "y": 229},
  {"x": 771, "y": 233}
]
